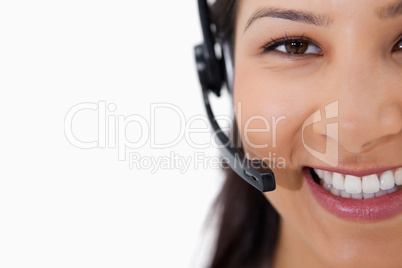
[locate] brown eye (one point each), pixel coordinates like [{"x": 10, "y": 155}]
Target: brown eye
[
  {"x": 292, "y": 46},
  {"x": 398, "y": 46},
  {"x": 296, "y": 47}
]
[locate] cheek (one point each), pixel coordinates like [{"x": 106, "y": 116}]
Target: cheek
[
  {"x": 270, "y": 109},
  {"x": 269, "y": 122},
  {"x": 270, "y": 112}
]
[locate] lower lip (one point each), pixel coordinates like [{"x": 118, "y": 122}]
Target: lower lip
[{"x": 374, "y": 209}]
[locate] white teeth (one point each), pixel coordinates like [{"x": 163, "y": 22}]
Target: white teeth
[
  {"x": 368, "y": 196},
  {"x": 387, "y": 180},
  {"x": 393, "y": 189},
  {"x": 371, "y": 184},
  {"x": 326, "y": 186},
  {"x": 327, "y": 177},
  {"x": 345, "y": 194},
  {"x": 353, "y": 184},
  {"x": 380, "y": 193},
  {"x": 398, "y": 177},
  {"x": 338, "y": 181},
  {"x": 357, "y": 196},
  {"x": 335, "y": 191},
  {"x": 319, "y": 173}
]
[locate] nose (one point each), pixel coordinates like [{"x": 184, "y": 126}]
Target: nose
[{"x": 369, "y": 96}]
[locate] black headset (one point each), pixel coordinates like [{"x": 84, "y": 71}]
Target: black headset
[{"x": 214, "y": 72}]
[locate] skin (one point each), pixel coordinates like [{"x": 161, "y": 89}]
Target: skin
[{"x": 356, "y": 67}]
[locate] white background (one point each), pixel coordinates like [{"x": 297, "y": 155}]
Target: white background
[{"x": 63, "y": 206}]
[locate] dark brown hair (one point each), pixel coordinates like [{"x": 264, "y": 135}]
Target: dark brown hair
[{"x": 248, "y": 225}]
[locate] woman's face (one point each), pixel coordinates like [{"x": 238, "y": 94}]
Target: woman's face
[{"x": 318, "y": 84}]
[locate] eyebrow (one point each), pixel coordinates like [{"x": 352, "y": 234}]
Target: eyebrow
[
  {"x": 390, "y": 11},
  {"x": 288, "y": 14}
]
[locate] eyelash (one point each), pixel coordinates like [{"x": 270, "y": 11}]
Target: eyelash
[
  {"x": 273, "y": 46},
  {"x": 398, "y": 46}
]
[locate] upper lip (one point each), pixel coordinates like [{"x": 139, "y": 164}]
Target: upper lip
[{"x": 358, "y": 171}]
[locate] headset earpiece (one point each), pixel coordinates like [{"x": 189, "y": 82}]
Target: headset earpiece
[{"x": 210, "y": 68}]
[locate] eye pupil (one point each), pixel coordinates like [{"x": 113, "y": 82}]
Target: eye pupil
[{"x": 296, "y": 47}]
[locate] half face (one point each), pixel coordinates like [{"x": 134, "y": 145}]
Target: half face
[{"x": 318, "y": 96}]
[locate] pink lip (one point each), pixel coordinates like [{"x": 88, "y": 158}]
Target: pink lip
[{"x": 374, "y": 209}]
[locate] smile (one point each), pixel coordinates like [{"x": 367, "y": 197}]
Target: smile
[
  {"x": 365, "y": 187},
  {"x": 370, "y": 197}
]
